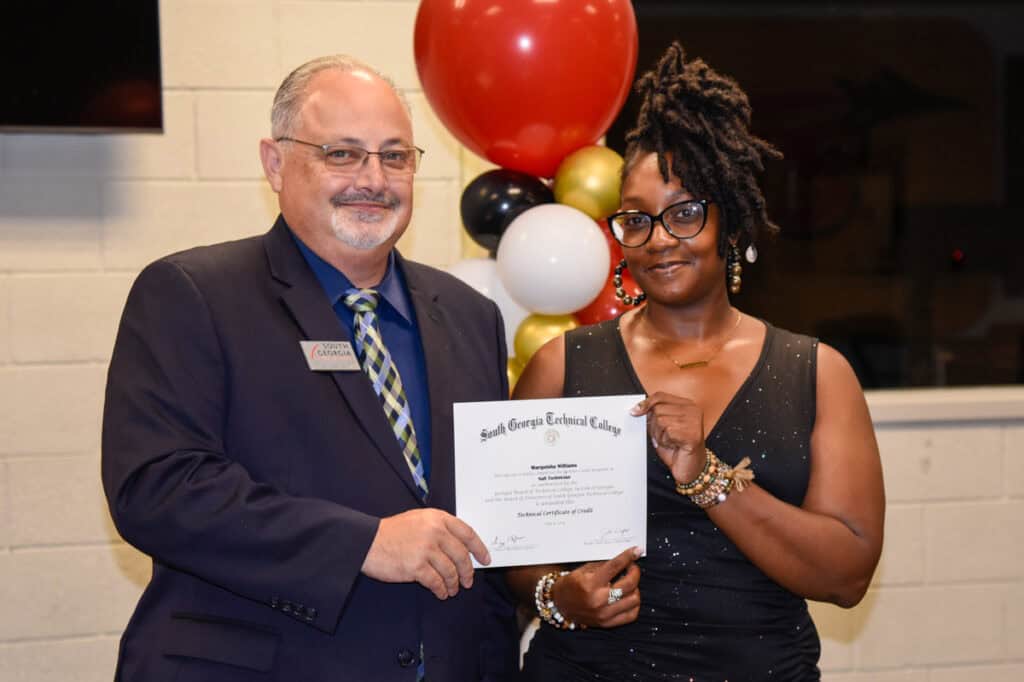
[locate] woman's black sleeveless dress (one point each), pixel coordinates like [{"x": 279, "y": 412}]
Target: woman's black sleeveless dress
[{"x": 707, "y": 613}]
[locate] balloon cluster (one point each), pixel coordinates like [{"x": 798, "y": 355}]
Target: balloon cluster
[{"x": 532, "y": 87}]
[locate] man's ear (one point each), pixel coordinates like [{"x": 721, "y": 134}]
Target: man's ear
[{"x": 273, "y": 162}]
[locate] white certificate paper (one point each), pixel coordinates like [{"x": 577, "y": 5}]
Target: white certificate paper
[{"x": 552, "y": 481}]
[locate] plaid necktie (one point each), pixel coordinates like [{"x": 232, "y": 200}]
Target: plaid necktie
[{"x": 383, "y": 374}]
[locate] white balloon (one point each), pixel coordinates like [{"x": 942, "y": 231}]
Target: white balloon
[
  {"x": 482, "y": 275},
  {"x": 553, "y": 259},
  {"x": 479, "y": 273}
]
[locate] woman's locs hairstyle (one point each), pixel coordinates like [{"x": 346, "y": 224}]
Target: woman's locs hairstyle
[{"x": 698, "y": 121}]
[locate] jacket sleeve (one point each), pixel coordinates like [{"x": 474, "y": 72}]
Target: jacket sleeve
[
  {"x": 177, "y": 494},
  {"x": 501, "y": 634}
]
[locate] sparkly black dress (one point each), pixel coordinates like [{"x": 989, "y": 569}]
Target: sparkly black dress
[{"x": 707, "y": 614}]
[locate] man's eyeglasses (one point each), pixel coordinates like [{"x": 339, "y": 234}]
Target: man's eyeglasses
[
  {"x": 683, "y": 220},
  {"x": 349, "y": 159}
]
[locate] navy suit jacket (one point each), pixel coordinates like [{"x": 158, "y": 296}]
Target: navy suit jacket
[{"x": 257, "y": 485}]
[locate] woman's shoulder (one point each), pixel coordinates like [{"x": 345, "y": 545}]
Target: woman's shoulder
[
  {"x": 543, "y": 375},
  {"x": 600, "y": 330},
  {"x": 798, "y": 353},
  {"x": 789, "y": 339},
  {"x": 826, "y": 362}
]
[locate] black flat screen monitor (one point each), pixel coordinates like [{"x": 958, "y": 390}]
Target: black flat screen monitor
[{"x": 74, "y": 67}]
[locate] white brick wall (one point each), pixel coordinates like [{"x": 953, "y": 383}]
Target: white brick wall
[
  {"x": 69, "y": 490},
  {"x": 68, "y": 591},
  {"x": 988, "y": 673},
  {"x": 86, "y": 659},
  {"x": 51, "y": 224},
  {"x": 928, "y": 625},
  {"x": 148, "y": 219},
  {"x": 80, "y": 215},
  {"x": 43, "y": 308},
  {"x": 380, "y": 33},
  {"x": 5, "y": 320},
  {"x": 1013, "y": 459},
  {"x": 879, "y": 676},
  {"x": 221, "y": 44},
  {"x": 974, "y": 542},
  {"x": 229, "y": 126},
  {"x": 903, "y": 559},
  {"x": 1014, "y": 621},
  {"x": 6, "y": 528},
  {"x": 927, "y": 463},
  {"x": 46, "y": 409}
]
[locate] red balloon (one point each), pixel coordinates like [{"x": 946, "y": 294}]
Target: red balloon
[
  {"x": 606, "y": 305},
  {"x": 524, "y": 84}
]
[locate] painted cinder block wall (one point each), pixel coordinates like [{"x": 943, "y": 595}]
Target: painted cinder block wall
[{"x": 80, "y": 215}]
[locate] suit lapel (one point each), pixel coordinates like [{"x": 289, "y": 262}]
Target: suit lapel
[
  {"x": 304, "y": 298},
  {"x": 435, "y": 336}
]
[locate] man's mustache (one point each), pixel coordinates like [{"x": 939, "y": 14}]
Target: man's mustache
[{"x": 383, "y": 199}]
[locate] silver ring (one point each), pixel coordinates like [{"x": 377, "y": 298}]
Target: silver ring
[{"x": 614, "y": 595}]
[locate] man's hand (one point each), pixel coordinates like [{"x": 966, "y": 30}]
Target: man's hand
[{"x": 427, "y": 546}]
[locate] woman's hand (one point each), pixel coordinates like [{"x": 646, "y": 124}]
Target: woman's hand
[
  {"x": 583, "y": 595},
  {"x": 676, "y": 428}
]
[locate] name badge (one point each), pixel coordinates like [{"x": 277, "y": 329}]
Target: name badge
[{"x": 330, "y": 356}]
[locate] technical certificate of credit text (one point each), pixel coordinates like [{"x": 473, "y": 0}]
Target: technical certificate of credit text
[{"x": 552, "y": 481}]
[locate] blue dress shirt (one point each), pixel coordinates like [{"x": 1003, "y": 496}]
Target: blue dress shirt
[{"x": 398, "y": 328}]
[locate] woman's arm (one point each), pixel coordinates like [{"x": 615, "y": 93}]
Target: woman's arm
[
  {"x": 828, "y": 548},
  {"x": 581, "y": 596}
]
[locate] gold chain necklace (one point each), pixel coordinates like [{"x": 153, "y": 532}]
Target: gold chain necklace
[{"x": 696, "y": 363}]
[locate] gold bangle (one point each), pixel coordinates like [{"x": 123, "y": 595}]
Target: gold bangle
[
  {"x": 718, "y": 490},
  {"x": 715, "y": 493},
  {"x": 704, "y": 478}
]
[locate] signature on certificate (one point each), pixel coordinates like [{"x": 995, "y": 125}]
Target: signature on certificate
[
  {"x": 611, "y": 535},
  {"x": 616, "y": 533},
  {"x": 507, "y": 541}
]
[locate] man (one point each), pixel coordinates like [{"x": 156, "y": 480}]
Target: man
[{"x": 277, "y": 431}]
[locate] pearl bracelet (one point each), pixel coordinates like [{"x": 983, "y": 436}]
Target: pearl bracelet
[{"x": 546, "y": 608}]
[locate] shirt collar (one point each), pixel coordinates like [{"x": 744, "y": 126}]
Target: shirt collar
[{"x": 335, "y": 283}]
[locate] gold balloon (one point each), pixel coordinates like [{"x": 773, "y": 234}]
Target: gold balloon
[
  {"x": 515, "y": 370},
  {"x": 590, "y": 180},
  {"x": 536, "y": 330}
]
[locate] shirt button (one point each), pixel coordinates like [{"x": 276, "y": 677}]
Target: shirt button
[{"x": 406, "y": 658}]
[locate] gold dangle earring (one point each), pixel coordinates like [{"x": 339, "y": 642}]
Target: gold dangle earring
[
  {"x": 733, "y": 269},
  {"x": 620, "y": 292}
]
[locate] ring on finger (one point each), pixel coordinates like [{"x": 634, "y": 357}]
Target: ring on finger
[{"x": 614, "y": 595}]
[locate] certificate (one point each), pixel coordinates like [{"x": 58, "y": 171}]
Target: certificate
[{"x": 552, "y": 481}]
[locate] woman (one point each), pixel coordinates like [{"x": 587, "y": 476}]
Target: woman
[{"x": 720, "y": 594}]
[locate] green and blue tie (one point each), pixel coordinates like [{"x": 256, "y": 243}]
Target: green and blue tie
[{"x": 383, "y": 374}]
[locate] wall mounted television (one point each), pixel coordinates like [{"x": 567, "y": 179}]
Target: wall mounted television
[{"x": 81, "y": 67}]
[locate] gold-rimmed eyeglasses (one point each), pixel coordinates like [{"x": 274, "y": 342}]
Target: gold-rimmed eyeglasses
[{"x": 349, "y": 159}]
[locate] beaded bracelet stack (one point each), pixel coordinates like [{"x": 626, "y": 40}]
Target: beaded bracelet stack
[
  {"x": 714, "y": 483},
  {"x": 546, "y": 608}
]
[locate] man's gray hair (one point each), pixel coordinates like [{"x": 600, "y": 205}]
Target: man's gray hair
[{"x": 292, "y": 92}]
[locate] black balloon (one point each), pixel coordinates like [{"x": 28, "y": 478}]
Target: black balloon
[{"x": 493, "y": 200}]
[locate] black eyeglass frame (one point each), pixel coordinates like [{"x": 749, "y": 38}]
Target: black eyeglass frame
[
  {"x": 326, "y": 149},
  {"x": 660, "y": 218}
]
